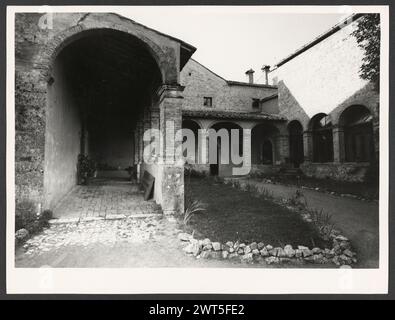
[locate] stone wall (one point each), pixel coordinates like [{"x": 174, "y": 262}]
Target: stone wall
[
  {"x": 200, "y": 82},
  {"x": 62, "y": 138}
]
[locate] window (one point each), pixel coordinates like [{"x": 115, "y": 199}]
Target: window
[
  {"x": 208, "y": 101},
  {"x": 255, "y": 103}
]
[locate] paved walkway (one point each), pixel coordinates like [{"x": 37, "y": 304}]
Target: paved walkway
[
  {"x": 358, "y": 220},
  {"x": 105, "y": 198}
]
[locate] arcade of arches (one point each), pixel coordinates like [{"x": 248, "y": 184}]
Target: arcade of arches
[{"x": 287, "y": 144}]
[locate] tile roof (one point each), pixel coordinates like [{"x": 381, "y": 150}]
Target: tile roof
[{"x": 210, "y": 114}]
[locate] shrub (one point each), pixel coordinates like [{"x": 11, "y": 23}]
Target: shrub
[
  {"x": 86, "y": 168},
  {"x": 27, "y": 217}
]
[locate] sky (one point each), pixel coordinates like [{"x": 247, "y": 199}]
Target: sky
[{"x": 231, "y": 40}]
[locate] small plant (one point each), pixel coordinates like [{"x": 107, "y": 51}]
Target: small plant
[
  {"x": 192, "y": 205},
  {"x": 323, "y": 222},
  {"x": 86, "y": 168},
  {"x": 191, "y": 208},
  {"x": 298, "y": 200}
]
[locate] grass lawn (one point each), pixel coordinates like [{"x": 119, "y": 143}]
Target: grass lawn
[{"x": 239, "y": 215}]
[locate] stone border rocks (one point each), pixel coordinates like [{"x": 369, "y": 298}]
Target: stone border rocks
[{"x": 340, "y": 254}]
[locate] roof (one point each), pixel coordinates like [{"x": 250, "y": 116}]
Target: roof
[
  {"x": 208, "y": 69},
  {"x": 209, "y": 114},
  {"x": 247, "y": 84},
  {"x": 186, "y": 51},
  {"x": 320, "y": 38},
  {"x": 273, "y": 96},
  {"x": 236, "y": 83}
]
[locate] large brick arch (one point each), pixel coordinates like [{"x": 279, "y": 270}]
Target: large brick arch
[{"x": 165, "y": 58}]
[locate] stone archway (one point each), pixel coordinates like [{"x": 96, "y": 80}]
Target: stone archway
[
  {"x": 356, "y": 124},
  {"x": 321, "y": 127},
  {"x": 102, "y": 83},
  {"x": 37, "y": 71},
  {"x": 264, "y": 143}
]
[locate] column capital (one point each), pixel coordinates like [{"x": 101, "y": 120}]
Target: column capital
[
  {"x": 169, "y": 91},
  {"x": 337, "y": 127}
]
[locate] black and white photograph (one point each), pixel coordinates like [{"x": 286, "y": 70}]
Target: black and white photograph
[{"x": 246, "y": 145}]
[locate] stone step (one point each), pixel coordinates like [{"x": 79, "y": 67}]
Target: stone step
[{"x": 108, "y": 217}]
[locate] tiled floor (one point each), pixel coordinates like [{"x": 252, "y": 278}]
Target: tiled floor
[{"x": 105, "y": 198}]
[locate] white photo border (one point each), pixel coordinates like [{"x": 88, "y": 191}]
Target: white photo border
[{"x": 199, "y": 280}]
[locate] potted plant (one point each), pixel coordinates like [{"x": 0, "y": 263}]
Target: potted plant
[{"x": 86, "y": 169}]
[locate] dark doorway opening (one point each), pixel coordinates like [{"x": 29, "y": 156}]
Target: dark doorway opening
[
  {"x": 295, "y": 131},
  {"x": 321, "y": 125},
  {"x": 358, "y": 134},
  {"x": 225, "y": 148},
  {"x": 267, "y": 152},
  {"x": 102, "y": 82}
]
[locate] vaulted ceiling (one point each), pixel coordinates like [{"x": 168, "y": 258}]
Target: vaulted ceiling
[{"x": 113, "y": 74}]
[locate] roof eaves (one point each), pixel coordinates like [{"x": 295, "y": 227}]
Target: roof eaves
[{"x": 246, "y": 84}]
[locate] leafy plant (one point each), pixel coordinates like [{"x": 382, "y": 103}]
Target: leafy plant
[
  {"x": 323, "y": 222},
  {"x": 191, "y": 208},
  {"x": 367, "y": 35},
  {"x": 192, "y": 205},
  {"x": 86, "y": 168},
  {"x": 298, "y": 200}
]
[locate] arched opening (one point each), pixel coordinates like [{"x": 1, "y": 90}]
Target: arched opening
[
  {"x": 321, "y": 126},
  {"x": 267, "y": 152},
  {"x": 191, "y": 152},
  {"x": 295, "y": 131},
  {"x": 100, "y": 85},
  {"x": 263, "y": 144},
  {"x": 358, "y": 134},
  {"x": 226, "y": 149}
]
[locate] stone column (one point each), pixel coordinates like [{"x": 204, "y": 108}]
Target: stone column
[
  {"x": 171, "y": 166},
  {"x": 139, "y": 148},
  {"x": 376, "y": 135},
  {"x": 338, "y": 144},
  {"x": 146, "y": 126},
  {"x": 308, "y": 146},
  {"x": 203, "y": 143},
  {"x": 155, "y": 124}
]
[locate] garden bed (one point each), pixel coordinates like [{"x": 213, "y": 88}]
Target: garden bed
[
  {"x": 236, "y": 215},
  {"x": 242, "y": 221}
]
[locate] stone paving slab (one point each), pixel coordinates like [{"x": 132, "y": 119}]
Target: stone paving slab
[{"x": 104, "y": 199}]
